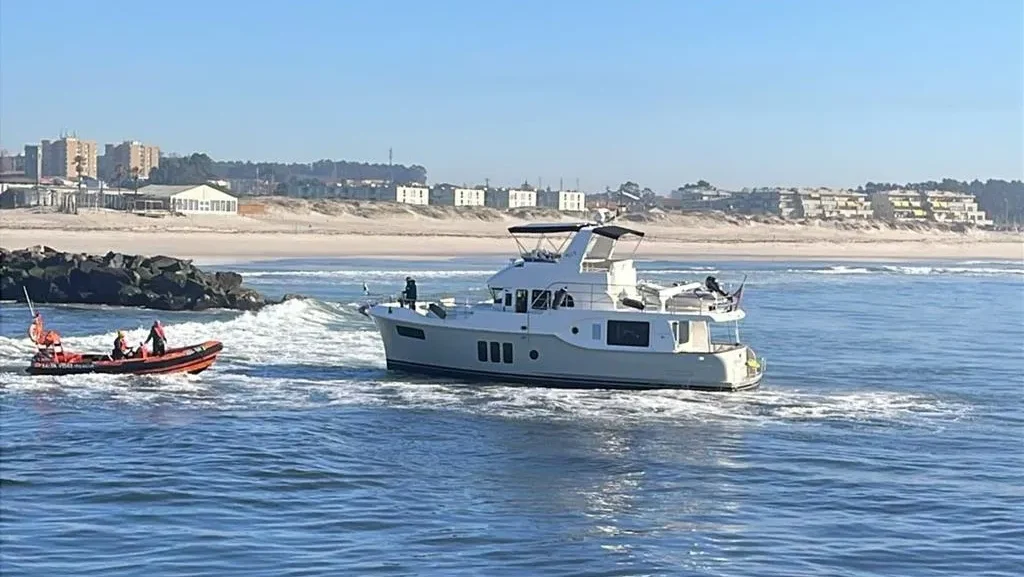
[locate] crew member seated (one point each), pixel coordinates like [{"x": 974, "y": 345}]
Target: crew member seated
[
  {"x": 712, "y": 285},
  {"x": 156, "y": 334},
  {"x": 409, "y": 294},
  {"x": 120, "y": 347}
]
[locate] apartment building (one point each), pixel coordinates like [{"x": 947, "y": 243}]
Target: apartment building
[
  {"x": 562, "y": 200},
  {"x": 33, "y": 162},
  {"x": 448, "y": 195},
  {"x": 936, "y": 206},
  {"x": 827, "y": 203},
  {"x": 131, "y": 155},
  {"x": 505, "y": 198},
  {"x": 955, "y": 207},
  {"x": 908, "y": 205},
  {"x": 59, "y": 157}
]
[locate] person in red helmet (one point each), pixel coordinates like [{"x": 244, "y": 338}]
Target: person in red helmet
[{"x": 156, "y": 334}]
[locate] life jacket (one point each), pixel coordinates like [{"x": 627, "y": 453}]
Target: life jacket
[
  {"x": 120, "y": 344},
  {"x": 159, "y": 330}
]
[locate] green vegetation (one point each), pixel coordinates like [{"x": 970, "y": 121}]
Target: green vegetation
[{"x": 198, "y": 168}]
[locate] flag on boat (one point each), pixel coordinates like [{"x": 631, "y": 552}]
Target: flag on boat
[{"x": 736, "y": 296}]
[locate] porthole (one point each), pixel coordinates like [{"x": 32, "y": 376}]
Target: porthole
[
  {"x": 575, "y": 331},
  {"x": 534, "y": 354}
]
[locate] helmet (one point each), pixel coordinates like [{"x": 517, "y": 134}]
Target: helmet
[
  {"x": 120, "y": 333},
  {"x": 156, "y": 323}
]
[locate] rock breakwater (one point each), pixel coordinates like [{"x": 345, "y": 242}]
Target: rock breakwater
[{"x": 157, "y": 282}]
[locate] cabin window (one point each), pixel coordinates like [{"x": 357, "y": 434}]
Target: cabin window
[
  {"x": 481, "y": 351},
  {"x": 521, "y": 300},
  {"x": 681, "y": 332},
  {"x": 595, "y": 331},
  {"x": 506, "y": 353},
  {"x": 541, "y": 299},
  {"x": 411, "y": 332},
  {"x": 629, "y": 333},
  {"x": 496, "y": 295},
  {"x": 508, "y": 299},
  {"x": 495, "y": 352}
]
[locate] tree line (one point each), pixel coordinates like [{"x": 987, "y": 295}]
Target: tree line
[{"x": 198, "y": 168}]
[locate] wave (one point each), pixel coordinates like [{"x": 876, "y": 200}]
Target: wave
[
  {"x": 361, "y": 275},
  {"x": 912, "y": 270}
]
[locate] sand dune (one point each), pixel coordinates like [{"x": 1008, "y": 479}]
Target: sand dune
[{"x": 295, "y": 228}]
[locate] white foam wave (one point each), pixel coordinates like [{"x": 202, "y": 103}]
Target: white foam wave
[
  {"x": 362, "y": 275},
  {"x": 913, "y": 270}
]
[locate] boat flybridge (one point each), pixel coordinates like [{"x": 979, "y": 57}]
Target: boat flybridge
[{"x": 569, "y": 313}]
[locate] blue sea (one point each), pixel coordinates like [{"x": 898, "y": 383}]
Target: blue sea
[{"x": 887, "y": 439}]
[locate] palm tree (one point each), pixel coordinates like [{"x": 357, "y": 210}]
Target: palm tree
[
  {"x": 79, "y": 169},
  {"x": 119, "y": 176},
  {"x": 135, "y": 179}
]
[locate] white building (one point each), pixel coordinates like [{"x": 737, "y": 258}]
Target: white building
[
  {"x": 186, "y": 199},
  {"x": 562, "y": 200},
  {"x": 447, "y": 195},
  {"x": 510, "y": 198},
  {"x": 406, "y": 194}
]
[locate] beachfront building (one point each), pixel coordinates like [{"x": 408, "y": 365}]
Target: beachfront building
[
  {"x": 449, "y": 195},
  {"x": 907, "y": 205},
  {"x": 505, "y": 198},
  {"x": 400, "y": 193},
  {"x": 562, "y": 200},
  {"x": 200, "y": 199},
  {"x": 827, "y": 203},
  {"x": 955, "y": 207},
  {"x": 937, "y": 206}
]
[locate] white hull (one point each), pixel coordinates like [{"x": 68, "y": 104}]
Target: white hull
[{"x": 455, "y": 351}]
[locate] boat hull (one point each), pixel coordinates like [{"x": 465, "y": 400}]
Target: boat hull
[
  {"x": 546, "y": 360},
  {"x": 192, "y": 359}
]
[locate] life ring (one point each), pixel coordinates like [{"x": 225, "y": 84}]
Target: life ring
[{"x": 35, "y": 330}]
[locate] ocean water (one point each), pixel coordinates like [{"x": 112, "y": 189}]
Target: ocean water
[{"x": 887, "y": 439}]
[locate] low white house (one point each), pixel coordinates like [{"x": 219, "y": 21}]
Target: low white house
[
  {"x": 563, "y": 200},
  {"x": 407, "y": 194},
  {"x": 187, "y": 199},
  {"x": 447, "y": 195},
  {"x": 511, "y": 198}
]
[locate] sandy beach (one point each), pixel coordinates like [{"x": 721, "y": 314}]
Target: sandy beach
[{"x": 295, "y": 230}]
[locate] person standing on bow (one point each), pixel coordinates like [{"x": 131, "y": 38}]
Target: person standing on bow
[
  {"x": 409, "y": 294},
  {"x": 156, "y": 334}
]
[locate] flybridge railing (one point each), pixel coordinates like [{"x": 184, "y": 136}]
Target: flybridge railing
[{"x": 576, "y": 295}]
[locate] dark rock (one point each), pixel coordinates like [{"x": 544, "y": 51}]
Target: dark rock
[
  {"x": 159, "y": 282},
  {"x": 168, "y": 283},
  {"x": 292, "y": 297},
  {"x": 161, "y": 262},
  {"x": 227, "y": 280},
  {"x": 107, "y": 283},
  {"x": 87, "y": 266},
  {"x": 113, "y": 260}
]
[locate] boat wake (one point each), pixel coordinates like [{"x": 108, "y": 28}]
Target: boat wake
[{"x": 305, "y": 354}]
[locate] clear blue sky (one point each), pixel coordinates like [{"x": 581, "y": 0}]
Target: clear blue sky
[{"x": 738, "y": 92}]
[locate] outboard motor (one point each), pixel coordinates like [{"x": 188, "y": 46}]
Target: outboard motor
[{"x": 714, "y": 287}]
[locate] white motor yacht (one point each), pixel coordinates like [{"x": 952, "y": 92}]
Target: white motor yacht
[{"x": 571, "y": 314}]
